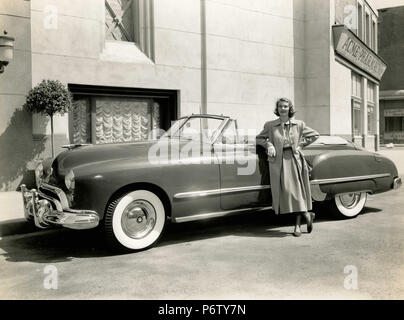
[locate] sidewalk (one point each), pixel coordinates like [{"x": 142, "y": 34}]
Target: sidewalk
[
  {"x": 12, "y": 219},
  {"x": 397, "y": 155}
]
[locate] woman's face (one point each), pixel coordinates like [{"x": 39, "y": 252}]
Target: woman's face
[{"x": 283, "y": 108}]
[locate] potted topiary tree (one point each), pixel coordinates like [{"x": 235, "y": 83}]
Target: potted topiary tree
[{"x": 49, "y": 97}]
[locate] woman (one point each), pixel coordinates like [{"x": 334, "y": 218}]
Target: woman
[{"x": 283, "y": 139}]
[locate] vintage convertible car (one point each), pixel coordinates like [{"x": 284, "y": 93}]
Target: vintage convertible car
[{"x": 200, "y": 168}]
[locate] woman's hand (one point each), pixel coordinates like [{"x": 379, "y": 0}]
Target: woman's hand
[{"x": 271, "y": 150}]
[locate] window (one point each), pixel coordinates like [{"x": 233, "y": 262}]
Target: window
[
  {"x": 371, "y": 108},
  {"x": 367, "y": 29},
  {"x": 81, "y": 121},
  {"x": 394, "y": 124},
  {"x": 119, "y": 20},
  {"x": 196, "y": 128},
  {"x": 371, "y": 119},
  {"x": 357, "y": 99},
  {"x": 360, "y": 13},
  {"x": 104, "y": 119},
  {"x": 356, "y": 118},
  {"x": 103, "y": 114},
  {"x": 374, "y": 34},
  {"x": 371, "y": 92},
  {"x": 230, "y": 134},
  {"x": 356, "y": 83},
  {"x": 130, "y": 21}
]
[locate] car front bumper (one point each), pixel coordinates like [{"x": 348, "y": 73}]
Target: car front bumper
[{"x": 48, "y": 210}]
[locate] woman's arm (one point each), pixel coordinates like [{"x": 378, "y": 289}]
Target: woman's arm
[
  {"x": 309, "y": 135},
  {"x": 264, "y": 138}
]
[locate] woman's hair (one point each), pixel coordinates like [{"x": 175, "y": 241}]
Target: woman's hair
[{"x": 291, "y": 107}]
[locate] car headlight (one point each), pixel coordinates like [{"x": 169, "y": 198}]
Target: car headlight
[
  {"x": 69, "y": 180},
  {"x": 39, "y": 174}
]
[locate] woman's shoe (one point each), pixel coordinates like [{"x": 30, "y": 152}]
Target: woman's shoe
[
  {"x": 297, "y": 233},
  {"x": 310, "y": 222}
]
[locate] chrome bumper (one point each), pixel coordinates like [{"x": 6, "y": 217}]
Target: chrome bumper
[
  {"x": 397, "y": 183},
  {"x": 48, "y": 211}
]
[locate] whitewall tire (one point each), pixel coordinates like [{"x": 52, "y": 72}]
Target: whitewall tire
[
  {"x": 349, "y": 205},
  {"x": 135, "y": 221}
]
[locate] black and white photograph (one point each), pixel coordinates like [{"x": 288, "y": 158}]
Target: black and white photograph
[{"x": 209, "y": 150}]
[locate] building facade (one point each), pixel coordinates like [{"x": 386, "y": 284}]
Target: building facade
[
  {"x": 134, "y": 66},
  {"x": 391, "y": 48}
]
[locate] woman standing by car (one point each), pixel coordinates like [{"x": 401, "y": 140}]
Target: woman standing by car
[{"x": 283, "y": 139}]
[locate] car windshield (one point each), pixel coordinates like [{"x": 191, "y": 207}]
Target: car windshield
[
  {"x": 194, "y": 128},
  {"x": 175, "y": 125}
]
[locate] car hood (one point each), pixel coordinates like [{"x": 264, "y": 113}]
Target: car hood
[{"x": 93, "y": 154}]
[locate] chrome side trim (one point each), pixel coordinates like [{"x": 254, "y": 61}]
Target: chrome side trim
[
  {"x": 209, "y": 215},
  {"x": 318, "y": 194},
  {"x": 347, "y": 179},
  {"x": 205, "y": 193},
  {"x": 359, "y": 191},
  {"x": 194, "y": 194}
]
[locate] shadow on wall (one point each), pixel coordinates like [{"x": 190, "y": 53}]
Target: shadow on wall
[{"x": 17, "y": 149}]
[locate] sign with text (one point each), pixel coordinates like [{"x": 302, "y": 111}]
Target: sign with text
[
  {"x": 394, "y": 112},
  {"x": 394, "y": 135},
  {"x": 348, "y": 45}
]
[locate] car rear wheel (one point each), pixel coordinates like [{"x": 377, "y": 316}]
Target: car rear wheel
[
  {"x": 134, "y": 221},
  {"x": 349, "y": 205}
]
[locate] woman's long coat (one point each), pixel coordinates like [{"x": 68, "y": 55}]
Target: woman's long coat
[{"x": 300, "y": 136}]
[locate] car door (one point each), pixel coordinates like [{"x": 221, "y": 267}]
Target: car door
[
  {"x": 193, "y": 175},
  {"x": 244, "y": 176}
]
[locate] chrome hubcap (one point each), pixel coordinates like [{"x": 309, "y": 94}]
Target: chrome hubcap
[
  {"x": 138, "y": 219},
  {"x": 350, "y": 200}
]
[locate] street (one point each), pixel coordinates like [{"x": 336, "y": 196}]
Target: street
[{"x": 248, "y": 256}]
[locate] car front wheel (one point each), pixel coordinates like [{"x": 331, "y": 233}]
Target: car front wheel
[
  {"x": 134, "y": 221},
  {"x": 349, "y": 205}
]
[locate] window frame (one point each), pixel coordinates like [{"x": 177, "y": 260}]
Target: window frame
[
  {"x": 371, "y": 92},
  {"x": 360, "y": 20},
  {"x": 168, "y": 100},
  {"x": 367, "y": 35},
  {"x": 357, "y": 99},
  {"x": 142, "y": 12}
]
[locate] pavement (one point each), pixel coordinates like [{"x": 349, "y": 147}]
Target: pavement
[
  {"x": 12, "y": 219},
  {"x": 248, "y": 256}
]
